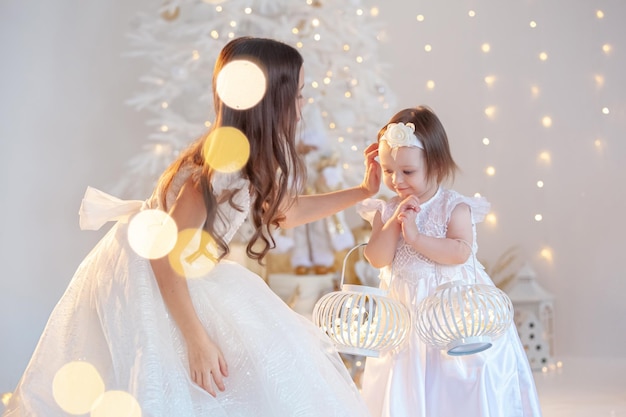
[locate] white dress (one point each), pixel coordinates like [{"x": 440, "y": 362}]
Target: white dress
[
  {"x": 112, "y": 316},
  {"x": 419, "y": 381}
]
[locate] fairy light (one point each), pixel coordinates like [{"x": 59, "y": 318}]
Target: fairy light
[
  {"x": 485, "y": 47},
  {"x": 599, "y": 14},
  {"x": 359, "y": 59},
  {"x": 491, "y": 219},
  {"x": 486, "y": 141},
  {"x": 605, "y": 110},
  {"x": 534, "y": 91},
  {"x": 164, "y": 105},
  {"x": 214, "y": 34},
  {"x": 430, "y": 84},
  {"x": 598, "y": 144},
  {"x": 599, "y": 79},
  {"x": 607, "y": 48},
  {"x": 195, "y": 55},
  {"x": 491, "y": 171},
  {"x": 419, "y": 17},
  {"x": 547, "y": 254},
  {"x": 164, "y": 128},
  {"x": 543, "y": 56},
  {"x": 247, "y": 10},
  {"x": 471, "y": 13},
  {"x": 374, "y": 11},
  {"x": 359, "y": 12},
  {"x": 490, "y": 111},
  {"x": 539, "y": 184},
  {"x": 346, "y": 47},
  {"x": 428, "y": 48},
  {"x": 545, "y": 157},
  {"x": 532, "y": 24},
  {"x": 546, "y": 121},
  {"x": 489, "y": 80},
  {"x": 315, "y": 22},
  {"x": 538, "y": 217}
]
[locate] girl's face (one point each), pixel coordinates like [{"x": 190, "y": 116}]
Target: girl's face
[
  {"x": 406, "y": 173},
  {"x": 300, "y": 97}
]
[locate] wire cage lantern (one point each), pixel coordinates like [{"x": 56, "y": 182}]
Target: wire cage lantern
[
  {"x": 463, "y": 317},
  {"x": 362, "y": 320}
]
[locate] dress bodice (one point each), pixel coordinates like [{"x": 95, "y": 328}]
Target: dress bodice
[
  {"x": 432, "y": 220},
  {"x": 229, "y": 219}
]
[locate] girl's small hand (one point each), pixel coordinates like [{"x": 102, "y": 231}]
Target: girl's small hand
[
  {"x": 409, "y": 204},
  {"x": 371, "y": 181},
  {"x": 206, "y": 363},
  {"x": 406, "y": 214}
]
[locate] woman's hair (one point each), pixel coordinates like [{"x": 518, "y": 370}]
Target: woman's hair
[
  {"x": 428, "y": 128},
  {"x": 274, "y": 168}
]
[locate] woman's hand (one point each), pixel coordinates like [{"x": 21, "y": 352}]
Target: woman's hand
[
  {"x": 207, "y": 365},
  {"x": 371, "y": 181}
]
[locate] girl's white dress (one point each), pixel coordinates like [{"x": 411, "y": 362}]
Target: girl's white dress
[
  {"x": 112, "y": 316},
  {"x": 419, "y": 381}
]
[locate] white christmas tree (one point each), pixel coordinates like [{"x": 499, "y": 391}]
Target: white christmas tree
[{"x": 344, "y": 79}]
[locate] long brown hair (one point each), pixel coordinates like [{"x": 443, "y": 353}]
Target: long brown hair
[
  {"x": 428, "y": 128},
  {"x": 274, "y": 169}
]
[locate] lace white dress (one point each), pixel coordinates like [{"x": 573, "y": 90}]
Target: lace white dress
[
  {"x": 112, "y": 316},
  {"x": 419, "y": 381}
]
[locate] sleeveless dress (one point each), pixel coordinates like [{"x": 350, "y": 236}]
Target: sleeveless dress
[
  {"x": 113, "y": 317},
  {"x": 419, "y": 381}
]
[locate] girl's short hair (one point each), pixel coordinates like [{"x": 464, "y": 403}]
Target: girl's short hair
[{"x": 428, "y": 128}]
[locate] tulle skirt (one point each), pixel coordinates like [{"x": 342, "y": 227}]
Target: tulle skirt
[{"x": 112, "y": 317}]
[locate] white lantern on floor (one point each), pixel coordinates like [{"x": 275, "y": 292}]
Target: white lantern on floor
[
  {"x": 462, "y": 317},
  {"x": 362, "y": 320},
  {"x": 534, "y": 317}
]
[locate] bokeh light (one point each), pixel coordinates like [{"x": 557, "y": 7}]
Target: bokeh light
[
  {"x": 195, "y": 253},
  {"x": 152, "y": 233},
  {"x": 226, "y": 149},
  {"x": 76, "y": 386},
  {"x": 116, "y": 404},
  {"x": 241, "y": 84}
]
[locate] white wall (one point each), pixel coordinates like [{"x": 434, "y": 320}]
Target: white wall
[{"x": 63, "y": 126}]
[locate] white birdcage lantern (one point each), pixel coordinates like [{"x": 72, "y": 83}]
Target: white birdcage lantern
[
  {"x": 534, "y": 317},
  {"x": 463, "y": 317},
  {"x": 362, "y": 320}
]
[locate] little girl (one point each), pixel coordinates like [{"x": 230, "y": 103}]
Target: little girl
[{"x": 424, "y": 231}]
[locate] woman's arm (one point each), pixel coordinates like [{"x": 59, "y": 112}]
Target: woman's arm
[
  {"x": 206, "y": 362},
  {"x": 308, "y": 208}
]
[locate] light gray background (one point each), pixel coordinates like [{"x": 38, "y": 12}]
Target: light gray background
[{"x": 64, "y": 125}]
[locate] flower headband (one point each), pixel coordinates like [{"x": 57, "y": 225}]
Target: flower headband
[{"x": 400, "y": 134}]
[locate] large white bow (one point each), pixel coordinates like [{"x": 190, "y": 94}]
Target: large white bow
[{"x": 98, "y": 207}]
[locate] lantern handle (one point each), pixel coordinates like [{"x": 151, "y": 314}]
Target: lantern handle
[
  {"x": 473, "y": 255},
  {"x": 345, "y": 259}
]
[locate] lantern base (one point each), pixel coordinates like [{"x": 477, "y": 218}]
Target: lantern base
[
  {"x": 469, "y": 345},
  {"x": 358, "y": 351}
]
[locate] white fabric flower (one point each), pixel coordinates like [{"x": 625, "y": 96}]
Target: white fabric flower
[{"x": 400, "y": 134}]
